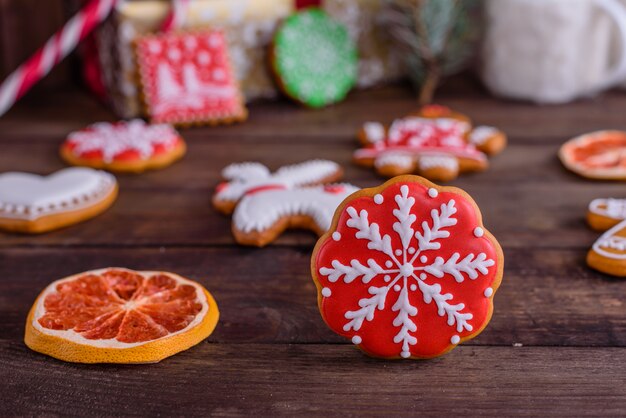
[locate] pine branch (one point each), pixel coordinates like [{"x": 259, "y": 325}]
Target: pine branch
[{"x": 438, "y": 36}]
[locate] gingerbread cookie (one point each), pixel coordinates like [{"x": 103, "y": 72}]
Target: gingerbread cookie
[
  {"x": 434, "y": 142},
  {"x": 117, "y": 315},
  {"x": 407, "y": 269},
  {"x": 608, "y": 253},
  {"x": 606, "y": 213},
  {"x": 265, "y": 204},
  {"x": 597, "y": 155},
  {"x": 124, "y": 146},
  {"x": 187, "y": 79},
  {"x": 314, "y": 59},
  {"x": 33, "y": 204}
]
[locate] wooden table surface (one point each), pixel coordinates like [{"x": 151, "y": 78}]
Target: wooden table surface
[{"x": 556, "y": 343}]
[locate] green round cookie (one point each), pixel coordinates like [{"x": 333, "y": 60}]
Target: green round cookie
[{"x": 314, "y": 58}]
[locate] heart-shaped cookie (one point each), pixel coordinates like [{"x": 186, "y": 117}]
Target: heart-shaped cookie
[
  {"x": 33, "y": 204},
  {"x": 608, "y": 253}
]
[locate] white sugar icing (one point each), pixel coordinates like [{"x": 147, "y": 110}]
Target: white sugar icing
[
  {"x": 260, "y": 211},
  {"x": 398, "y": 159},
  {"x": 611, "y": 241},
  {"x": 374, "y": 131},
  {"x": 114, "y": 139},
  {"x": 30, "y": 196},
  {"x": 613, "y": 208},
  {"x": 427, "y": 162},
  {"x": 248, "y": 176},
  {"x": 481, "y": 134}
]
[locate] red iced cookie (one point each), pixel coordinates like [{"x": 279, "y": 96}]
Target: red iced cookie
[
  {"x": 187, "y": 78},
  {"x": 407, "y": 269}
]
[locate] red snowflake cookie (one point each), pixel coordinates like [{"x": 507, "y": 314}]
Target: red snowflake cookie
[
  {"x": 407, "y": 269},
  {"x": 187, "y": 78}
]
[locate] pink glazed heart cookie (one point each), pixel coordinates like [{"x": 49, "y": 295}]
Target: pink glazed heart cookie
[
  {"x": 132, "y": 146},
  {"x": 187, "y": 79},
  {"x": 265, "y": 204},
  {"x": 33, "y": 204},
  {"x": 434, "y": 142},
  {"x": 407, "y": 269}
]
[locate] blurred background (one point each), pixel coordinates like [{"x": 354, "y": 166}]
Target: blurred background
[{"x": 544, "y": 51}]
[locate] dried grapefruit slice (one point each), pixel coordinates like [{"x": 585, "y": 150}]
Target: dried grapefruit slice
[{"x": 117, "y": 315}]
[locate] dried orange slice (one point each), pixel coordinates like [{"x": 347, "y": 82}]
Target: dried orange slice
[{"x": 118, "y": 315}]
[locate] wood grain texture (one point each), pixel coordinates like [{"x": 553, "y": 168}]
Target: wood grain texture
[
  {"x": 547, "y": 297},
  {"x": 321, "y": 380},
  {"x": 271, "y": 353}
]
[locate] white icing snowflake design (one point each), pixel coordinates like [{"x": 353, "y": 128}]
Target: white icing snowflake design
[
  {"x": 407, "y": 270},
  {"x": 114, "y": 139}
]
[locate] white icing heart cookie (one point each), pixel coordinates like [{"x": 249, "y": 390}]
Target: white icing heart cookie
[
  {"x": 132, "y": 146},
  {"x": 265, "y": 204},
  {"x": 31, "y": 203},
  {"x": 608, "y": 253},
  {"x": 606, "y": 213},
  {"x": 434, "y": 142}
]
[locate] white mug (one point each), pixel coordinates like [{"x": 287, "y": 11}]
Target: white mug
[{"x": 553, "y": 51}]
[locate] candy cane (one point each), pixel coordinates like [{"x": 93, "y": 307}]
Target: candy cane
[
  {"x": 58, "y": 47},
  {"x": 176, "y": 16}
]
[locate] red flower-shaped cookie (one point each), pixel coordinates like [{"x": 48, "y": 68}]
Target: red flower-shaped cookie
[{"x": 407, "y": 269}]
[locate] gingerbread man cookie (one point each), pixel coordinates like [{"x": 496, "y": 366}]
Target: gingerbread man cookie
[
  {"x": 407, "y": 269},
  {"x": 265, "y": 204},
  {"x": 434, "y": 142},
  {"x": 597, "y": 155},
  {"x": 33, "y": 204},
  {"x": 132, "y": 146},
  {"x": 186, "y": 78}
]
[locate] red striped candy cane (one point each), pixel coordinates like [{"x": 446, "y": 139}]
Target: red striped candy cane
[
  {"x": 176, "y": 16},
  {"x": 58, "y": 47}
]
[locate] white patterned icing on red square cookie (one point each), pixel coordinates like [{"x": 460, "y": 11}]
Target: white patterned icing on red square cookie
[
  {"x": 187, "y": 78},
  {"x": 264, "y": 204}
]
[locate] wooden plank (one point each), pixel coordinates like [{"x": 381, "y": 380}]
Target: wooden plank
[
  {"x": 321, "y": 380},
  {"x": 526, "y": 196},
  {"x": 548, "y": 297},
  {"x": 70, "y": 108}
]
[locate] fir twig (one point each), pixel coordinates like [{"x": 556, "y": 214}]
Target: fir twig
[{"x": 437, "y": 35}]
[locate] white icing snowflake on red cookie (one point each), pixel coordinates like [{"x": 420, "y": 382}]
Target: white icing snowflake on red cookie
[
  {"x": 187, "y": 78},
  {"x": 434, "y": 142},
  {"x": 408, "y": 270},
  {"x": 122, "y": 141}
]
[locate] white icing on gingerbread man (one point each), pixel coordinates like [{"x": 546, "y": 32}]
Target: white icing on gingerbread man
[{"x": 265, "y": 203}]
